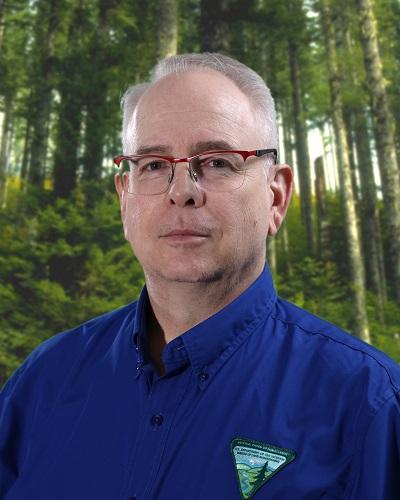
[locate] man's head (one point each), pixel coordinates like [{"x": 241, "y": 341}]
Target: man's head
[
  {"x": 247, "y": 80},
  {"x": 190, "y": 106}
]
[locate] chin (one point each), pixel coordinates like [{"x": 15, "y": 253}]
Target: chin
[{"x": 182, "y": 273}]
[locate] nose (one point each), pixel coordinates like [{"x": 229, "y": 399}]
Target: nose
[{"x": 184, "y": 189}]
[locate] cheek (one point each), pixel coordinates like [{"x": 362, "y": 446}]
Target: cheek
[
  {"x": 135, "y": 221},
  {"x": 255, "y": 215}
]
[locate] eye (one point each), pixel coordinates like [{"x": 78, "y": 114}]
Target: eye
[
  {"x": 223, "y": 162},
  {"x": 155, "y": 165},
  {"x": 217, "y": 163},
  {"x": 152, "y": 165}
]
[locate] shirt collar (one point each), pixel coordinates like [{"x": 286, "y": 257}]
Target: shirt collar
[{"x": 203, "y": 345}]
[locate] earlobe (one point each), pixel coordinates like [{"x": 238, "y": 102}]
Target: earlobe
[
  {"x": 274, "y": 224},
  {"x": 281, "y": 187}
]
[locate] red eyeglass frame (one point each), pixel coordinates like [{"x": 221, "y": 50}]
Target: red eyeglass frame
[{"x": 173, "y": 161}]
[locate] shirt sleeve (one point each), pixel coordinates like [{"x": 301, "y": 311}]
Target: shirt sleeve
[{"x": 377, "y": 465}]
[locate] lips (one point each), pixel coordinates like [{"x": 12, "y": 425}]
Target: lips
[
  {"x": 184, "y": 232},
  {"x": 185, "y": 238}
]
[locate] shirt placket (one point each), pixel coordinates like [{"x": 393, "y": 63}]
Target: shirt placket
[{"x": 164, "y": 398}]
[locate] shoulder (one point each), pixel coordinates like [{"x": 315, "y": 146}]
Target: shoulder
[
  {"x": 349, "y": 389},
  {"x": 338, "y": 353},
  {"x": 60, "y": 352}
]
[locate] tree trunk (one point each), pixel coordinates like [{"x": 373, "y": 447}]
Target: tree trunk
[
  {"x": 373, "y": 252},
  {"x": 66, "y": 152},
  {"x": 384, "y": 134},
  {"x": 220, "y": 21},
  {"x": 325, "y": 153},
  {"x": 367, "y": 206},
  {"x": 167, "y": 34},
  {"x": 347, "y": 118},
  {"x": 323, "y": 246},
  {"x": 303, "y": 160},
  {"x": 214, "y": 32},
  {"x": 5, "y": 145},
  {"x": 40, "y": 106},
  {"x": 356, "y": 269},
  {"x": 394, "y": 15},
  {"x": 2, "y": 23},
  {"x": 69, "y": 122},
  {"x": 287, "y": 133},
  {"x": 9, "y": 171},
  {"x": 25, "y": 156},
  {"x": 333, "y": 151},
  {"x": 341, "y": 20},
  {"x": 96, "y": 98}
]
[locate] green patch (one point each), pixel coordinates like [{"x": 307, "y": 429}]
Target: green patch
[{"x": 256, "y": 462}]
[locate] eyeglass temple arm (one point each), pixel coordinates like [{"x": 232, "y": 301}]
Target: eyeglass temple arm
[
  {"x": 262, "y": 152},
  {"x": 118, "y": 159}
]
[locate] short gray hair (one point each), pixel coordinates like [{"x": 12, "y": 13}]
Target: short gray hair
[{"x": 248, "y": 81}]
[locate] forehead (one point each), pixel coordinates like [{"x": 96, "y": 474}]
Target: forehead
[{"x": 192, "y": 107}]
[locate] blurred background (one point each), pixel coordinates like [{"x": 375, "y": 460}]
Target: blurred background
[{"x": 334, "y": 70}]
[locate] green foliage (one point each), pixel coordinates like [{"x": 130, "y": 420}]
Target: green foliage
[
  {"x": 321, "y": 287},
  {"x": 385, "y": 328},
  {"x": 316, "y": 286},
  {"x": 65, "y": 65},
  {"x": 60, "y": 264}
]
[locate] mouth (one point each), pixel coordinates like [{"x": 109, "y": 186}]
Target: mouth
[
  {"x": 184, "y": 236},
  {"x": 184, "y": 232}
]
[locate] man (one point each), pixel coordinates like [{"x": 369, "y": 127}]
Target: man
[{"x": 209, "y": 386}]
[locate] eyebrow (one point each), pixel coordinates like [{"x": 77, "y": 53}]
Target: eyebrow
[
  {"x": 210, "y": 145},
  {"x": 156, "y": 148},
  {"x": 199, "y": 147}
]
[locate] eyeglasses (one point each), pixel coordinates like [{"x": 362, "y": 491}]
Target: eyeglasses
[{"x": 212, "y": 170}]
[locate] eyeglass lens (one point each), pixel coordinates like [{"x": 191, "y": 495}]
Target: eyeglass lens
[{"x": 213, "y": 172}]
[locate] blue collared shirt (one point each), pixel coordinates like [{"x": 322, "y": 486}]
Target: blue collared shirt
[{"x": 262, "y": 400}]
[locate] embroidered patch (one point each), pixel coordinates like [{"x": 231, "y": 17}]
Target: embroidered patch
[{"x": 256, "y": 462}]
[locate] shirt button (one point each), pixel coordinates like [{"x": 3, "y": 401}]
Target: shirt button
[
  {"x": 157, "y": 419},
  {"x": 203, "y": 377}
]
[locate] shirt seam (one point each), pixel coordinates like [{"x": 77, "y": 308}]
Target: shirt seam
[
  {"x": 241, "y": 338},
  {"x": 329, "y": 338},
  {"x": 360, "y": 447},
  {"x": 381, "y": 401}
]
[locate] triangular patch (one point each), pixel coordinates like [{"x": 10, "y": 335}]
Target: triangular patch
[{"x": 256, "y": 462}]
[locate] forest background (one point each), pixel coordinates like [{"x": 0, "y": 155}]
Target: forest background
[{"x": 334, "y": 70}]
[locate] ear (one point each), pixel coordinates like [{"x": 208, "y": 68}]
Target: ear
[
  {"x": 118, "y": 186},
  {"x": 281, "y": 185}
]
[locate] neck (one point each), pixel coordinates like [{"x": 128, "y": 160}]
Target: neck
[{"x": 178, "y": 306}]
